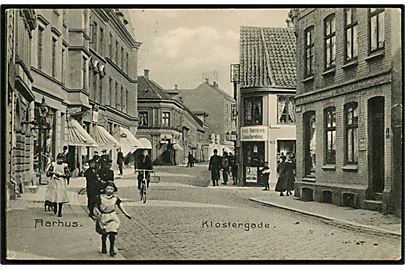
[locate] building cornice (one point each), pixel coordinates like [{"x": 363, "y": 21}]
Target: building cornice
[
  {"x": 40, "y": 72},
  {"x": 56, "y": 31},
  {"x": 117, "y": 68},
  {"x": 122, "y": 31},
  {"x": 42, "y": 19},
  {"x": 345, "y": 88},
  {"x": 80, "y": 48}
]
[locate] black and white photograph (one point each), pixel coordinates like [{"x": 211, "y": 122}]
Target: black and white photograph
[{"x": 206, "y": 133}]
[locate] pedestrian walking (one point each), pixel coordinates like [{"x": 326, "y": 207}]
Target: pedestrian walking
[
  {"x": 144, "y": 162},
  {"x": 190, "y": 159},
  {"x": 107, "y": 223},
  {"x": 56, "y": 192},
  {"x": 93, "y": 186},
  {"x": 290, "y": 173},
  {"x": 104, "y": 159},
  {"x": 96, "y": 159},
  {"x": 265, "y": 174},
  {"x": 281, "y": 185},
  {"x": 106, "y": 174},
  {"x": 215, "y": 166},
  {"x": 120, "y": 160},
  {"x": 225, "y": 168}
]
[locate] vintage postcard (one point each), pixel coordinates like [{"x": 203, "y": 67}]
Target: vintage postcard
[{"x": 202, "y": 133}]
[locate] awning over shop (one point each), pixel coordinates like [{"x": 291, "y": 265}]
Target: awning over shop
[
  {"x": 177, "y": 146},
  {"x": 105, "y": 139},
  {"x": 127, "y": 140},
  {"x": 77, "y": 135},
  {"x": 146, "y": 144}
]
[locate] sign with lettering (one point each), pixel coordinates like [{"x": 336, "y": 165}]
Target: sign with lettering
[
  {"x": 256, "y": 133},
  {"x": 251, "y": 174}
]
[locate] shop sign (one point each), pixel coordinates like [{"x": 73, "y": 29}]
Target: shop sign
[
  {"x": 257, "y": 133},
  {"x": 251, "y": 174}
]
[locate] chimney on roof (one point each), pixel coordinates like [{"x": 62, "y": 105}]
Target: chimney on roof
[
  {"x": 175, "y": 87},
  {"x": 146, "y": 73},
  {"x": 207, "y": 80},
  {"x": 290, "y": 23},
  {"x": 216, "y": 85}
]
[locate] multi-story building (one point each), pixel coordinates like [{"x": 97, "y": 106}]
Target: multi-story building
[
  {"x": 218, "y": 103},
  {"x": 84, "y": 64},
  {"x": 170, "y": 126},
  {"x": 348, "y": 105},
  {"x": 267, "y": 107},
  {"x": 68, "y": 85},
  {"x": 19, "y": 100}
]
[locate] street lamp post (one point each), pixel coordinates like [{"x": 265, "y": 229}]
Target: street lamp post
[
  {"x": 42, "y": 123},
  {"x": 236, "y": 79}
]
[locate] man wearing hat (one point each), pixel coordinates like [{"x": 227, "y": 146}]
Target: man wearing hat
[
  {"x": 104, "y": 159},
  {"x": 106, "y": 174},
  {"x": 93, "y": 185}
]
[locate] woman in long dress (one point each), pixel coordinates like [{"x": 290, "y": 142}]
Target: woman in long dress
[
  {"x": 107, "y": 223},
  {"x": 281, "y": 185},
  {"x": 56, "y": 192}
]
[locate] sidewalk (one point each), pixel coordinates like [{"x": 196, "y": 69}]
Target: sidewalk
[
  {"x": 34, "y": 234},
  {"x": 357, "y": 219}
]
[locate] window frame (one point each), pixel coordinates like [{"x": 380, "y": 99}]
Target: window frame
[
  {"x": 54, "y": 56},
  {"x": 330, "y": 129},
  {"x": 40, "y": 43},
  {"x": 252, "y": 100},
  {"x": 165, "y": 119},
  {"x": 84, "y": 70},
  {"x": 354, "y": 126},
  {"x": 140, "y": 113},
  {"x": 332, "y": 37},
  {"x": 291, "y": 99},
  {"x": 352, "y": 26},
  {"x": 376, "y": 13},
  {"x": 309, "y": 30}
]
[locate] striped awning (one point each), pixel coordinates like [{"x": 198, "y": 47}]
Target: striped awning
[
  {"x": 103, "y": 138},
  {"x": 127, "y": 140},
  {"x": 77, "y": 136}
]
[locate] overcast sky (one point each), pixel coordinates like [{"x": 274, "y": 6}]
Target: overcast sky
[{"x": 178, "y": 45}]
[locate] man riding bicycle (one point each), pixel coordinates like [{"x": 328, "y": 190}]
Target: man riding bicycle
[{"x": 144, "y": 162}]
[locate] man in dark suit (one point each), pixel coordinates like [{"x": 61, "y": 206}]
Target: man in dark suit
[
  {"x": 144, "y": 162},
  {"x": 215, "y": 167},
  {"x": 96, "y": 159},
  {"x": 93, "y": 186},
  {"x": 120, "y": 160},
  {"x": 104, "y": 159},
  {"x": 106, "y": 174}
]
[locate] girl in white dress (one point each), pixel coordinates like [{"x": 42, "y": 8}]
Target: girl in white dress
[
  {"x": 107, "y": 220},
  {"x": 56, "y": 192}
]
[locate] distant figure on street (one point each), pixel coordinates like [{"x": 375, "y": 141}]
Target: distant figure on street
[
  {"x": 215, "y": 166},
  {"x": 96, "y": 159},
  {"x": 281, "y": 185},
  {"x": 233, "y": 168},
  {"x": 290, "y": 173},
  {"x": 144, "y": 162},
  {"x": 65, "y": 153},
  {"x": 104, "y": 159},
  {"x": 56, "y": 191},
  {"x": 225, "y": 168},
  {"x": 107, "y": 223},
  {"x": 190, "y": 158},
  {"x": 265, "y": 174},
  {"x": 106, "y": 174},
  {"x": 120, "y": 160},
  {"x": 93, "y": 186}
]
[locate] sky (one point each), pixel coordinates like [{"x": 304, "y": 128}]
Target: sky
[{"x": 182, "y": 46}]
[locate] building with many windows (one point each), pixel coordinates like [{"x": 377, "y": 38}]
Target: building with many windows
[
  {"x": 173, "y": 130},
  {"x": 19, "y": 100},
  {"x": 81, "y": 64},
  {"x": 348, "y": 105},
  {"x": 267, "y": 106}
]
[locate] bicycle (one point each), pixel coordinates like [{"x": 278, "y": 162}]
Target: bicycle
[{"x": 144, "y": 184}]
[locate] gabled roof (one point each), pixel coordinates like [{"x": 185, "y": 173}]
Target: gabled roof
[
  {"x": 148, "y": 89},
  {"x": 205, "y": 85},
  {"x": 267, "y": 57}
]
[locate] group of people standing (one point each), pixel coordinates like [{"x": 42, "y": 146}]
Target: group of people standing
[{"x": 227, "y": 164}]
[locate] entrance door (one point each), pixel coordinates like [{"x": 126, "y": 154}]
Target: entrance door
[
  {"x": 310, "y": 143},
  {"x": 376, "y": 143},
  {"x": 253, "y": 158}
]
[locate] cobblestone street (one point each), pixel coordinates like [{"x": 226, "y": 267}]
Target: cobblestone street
[{"x": 175, "y": 224}]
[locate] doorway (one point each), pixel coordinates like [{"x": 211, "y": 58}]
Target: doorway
[
  {"x": 310, "y": 143},
  {"x": 376, "y": 144},
  {"x": 253, "y": 158}
]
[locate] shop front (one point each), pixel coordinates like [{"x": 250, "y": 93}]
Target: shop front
[{"x": 254, "y": 140}]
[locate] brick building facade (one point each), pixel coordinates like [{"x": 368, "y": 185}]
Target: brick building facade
[{"x": 346, "y": 63}]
